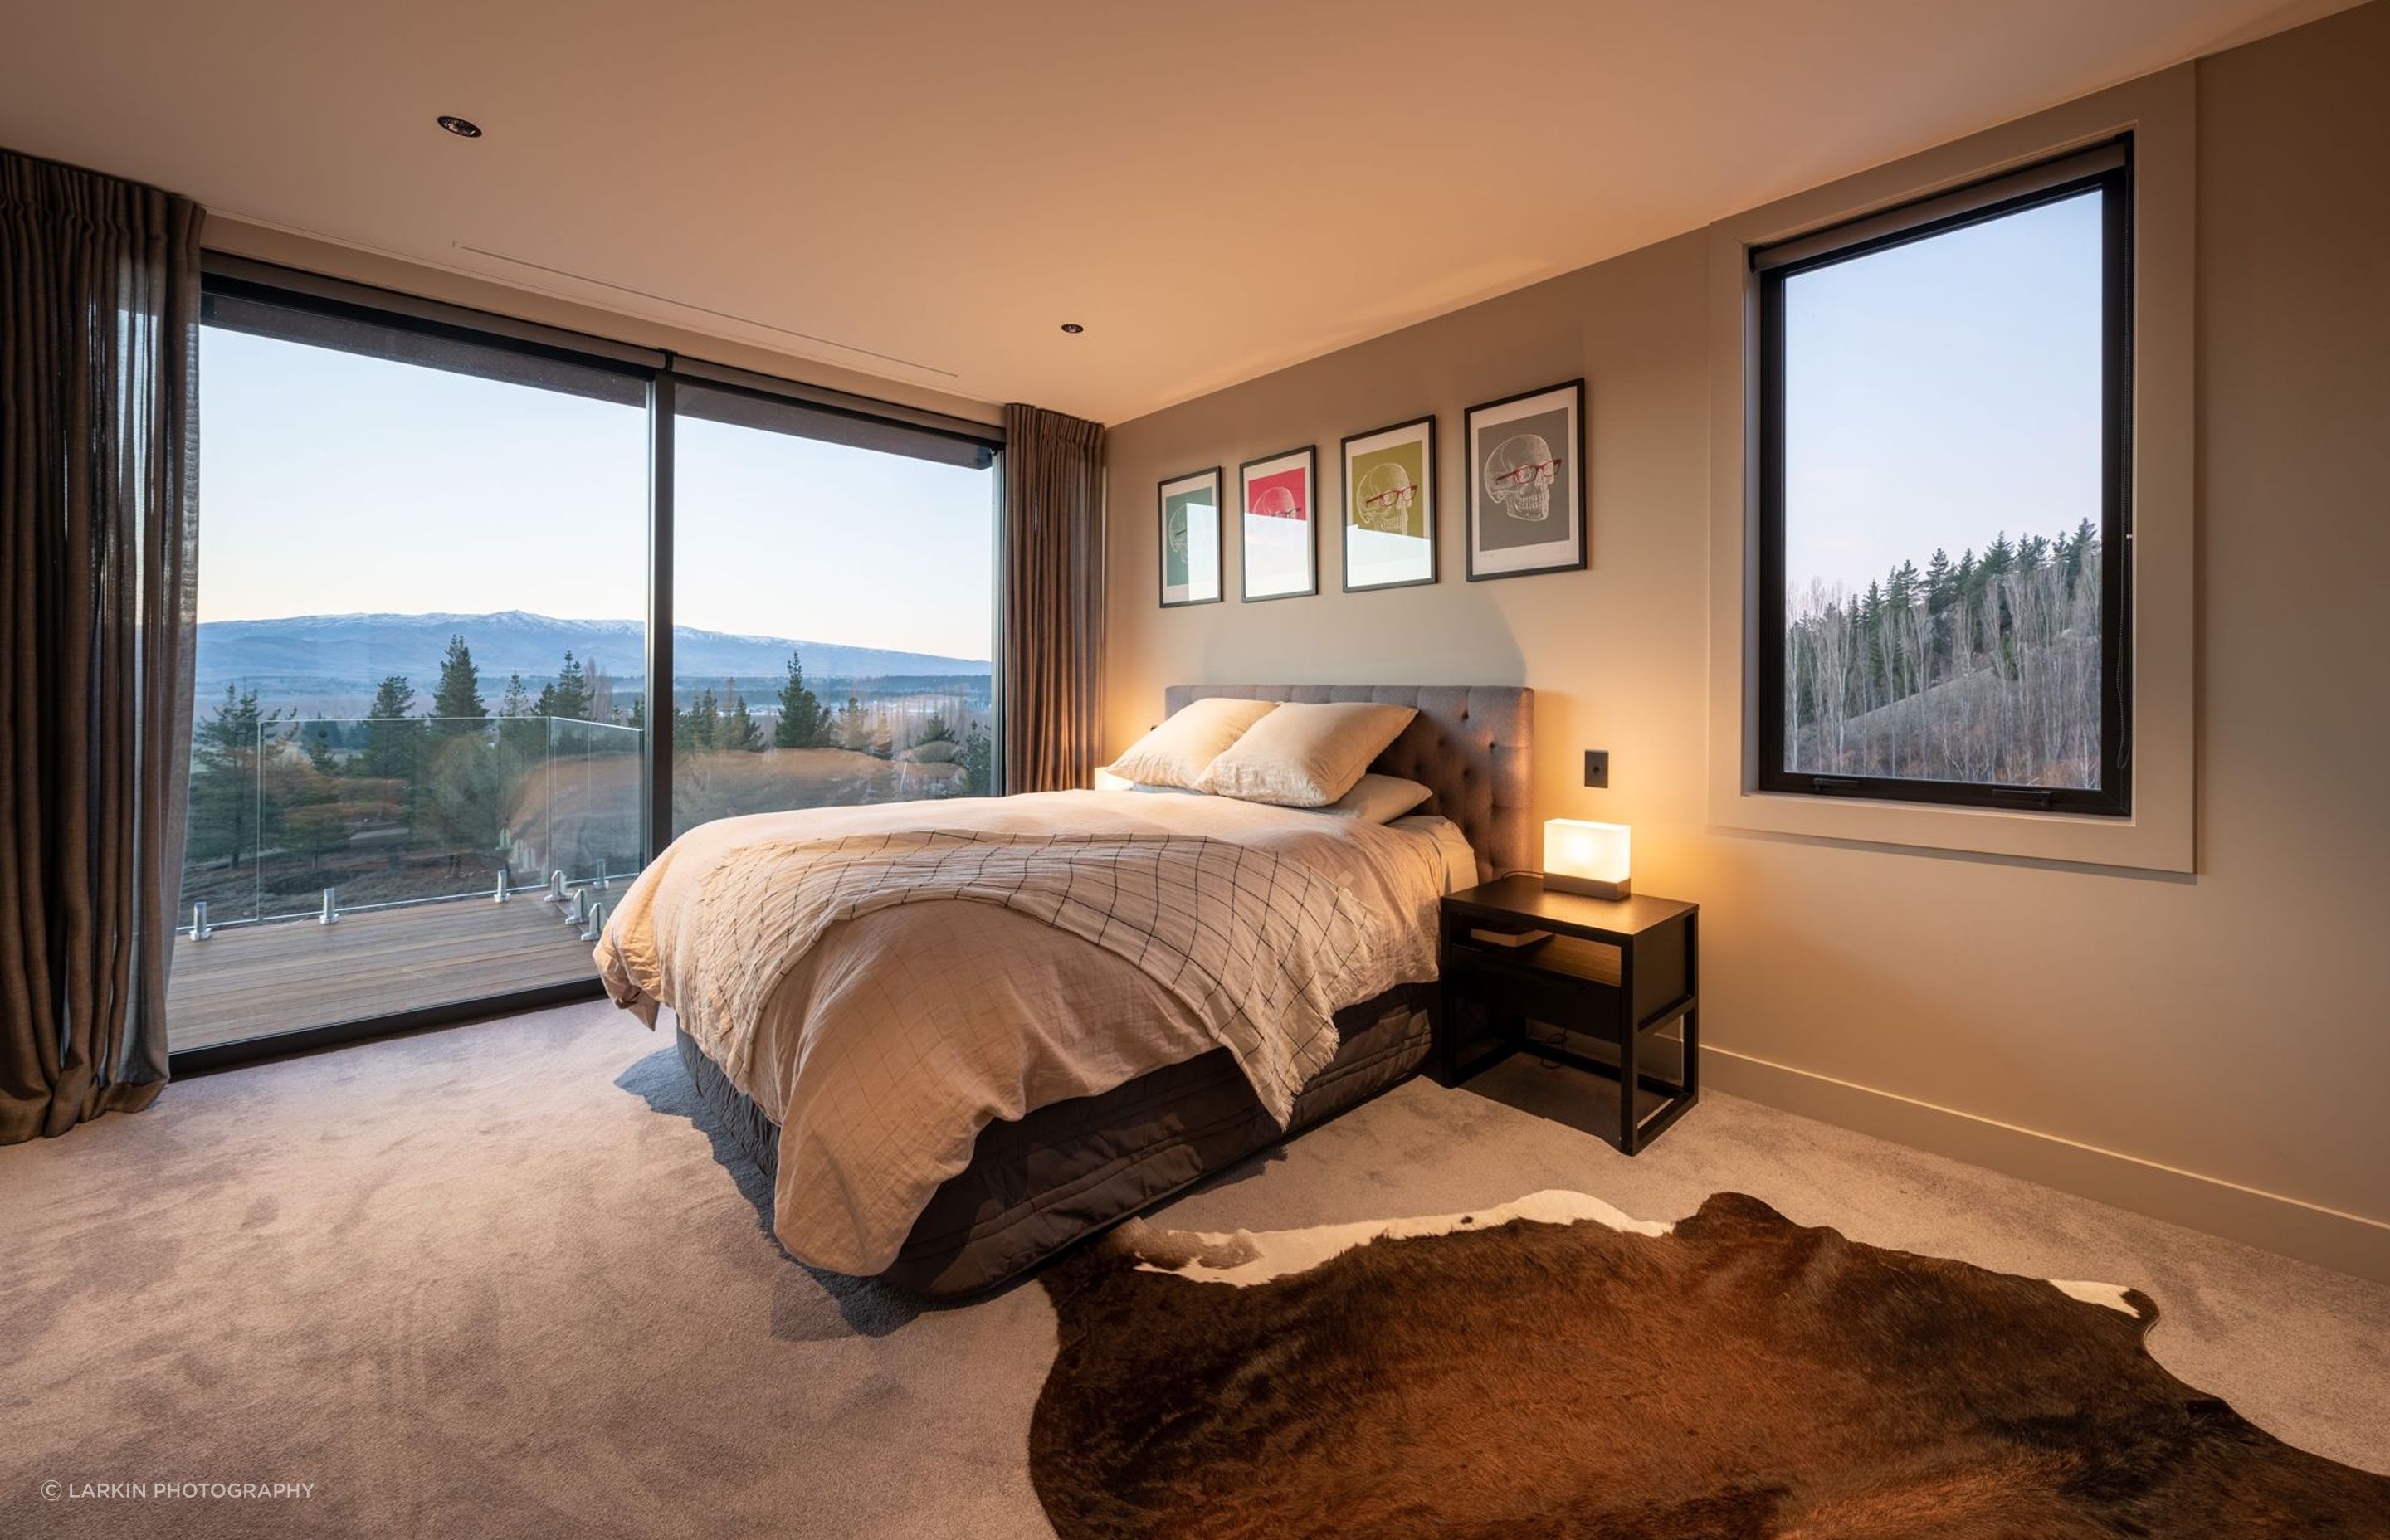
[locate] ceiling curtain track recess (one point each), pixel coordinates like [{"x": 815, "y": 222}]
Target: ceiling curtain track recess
[
  {"x": 99, "y": 312},
  {"x": 1052, "y": 648}
]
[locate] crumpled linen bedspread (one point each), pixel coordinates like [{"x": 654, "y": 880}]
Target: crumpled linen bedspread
[{"x": 885, "y": 980}]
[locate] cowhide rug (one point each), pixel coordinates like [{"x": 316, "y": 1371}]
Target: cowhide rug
[{"x": 1554, "y": 1369}]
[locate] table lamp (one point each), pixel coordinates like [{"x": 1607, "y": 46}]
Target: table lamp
[{"x": 1581, "y": 858}]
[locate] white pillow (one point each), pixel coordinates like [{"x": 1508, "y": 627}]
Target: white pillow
[
  {"x": 1305, "y": 755},
  {"x": 1177, "y": 753},
  {"x": 1378, "y": 800},
  {"x": 1108, "y": 780}
]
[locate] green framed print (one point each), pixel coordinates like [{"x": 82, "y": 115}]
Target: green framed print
[
  {"x": 1389, "y": 506},
  {"x": 1190, "y": 538}
]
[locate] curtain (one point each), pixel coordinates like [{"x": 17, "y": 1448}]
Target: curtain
[
  {"x": 1053, "y": 637},
  {"x": 99, "y": 307}
]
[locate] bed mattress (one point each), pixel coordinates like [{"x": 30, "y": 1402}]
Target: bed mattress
[{"x": 1037, "y": 1184}]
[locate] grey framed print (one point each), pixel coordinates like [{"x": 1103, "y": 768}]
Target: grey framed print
[
  {"x": 1389, "y": 506},
  {"x": 1526, "y": 483},
  {"x": 1190, "y": 538},
  {"x": 1278, "y": 541}
]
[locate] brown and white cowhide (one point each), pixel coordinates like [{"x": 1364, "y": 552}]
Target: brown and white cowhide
[{"x": 1554, "y": 1369}]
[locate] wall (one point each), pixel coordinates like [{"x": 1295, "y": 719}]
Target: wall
[
  {"x": 266, "y": 243},
  {"x": 2214, "y": 1048}
]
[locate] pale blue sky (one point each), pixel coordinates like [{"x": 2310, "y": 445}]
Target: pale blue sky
[
  {"x": 331, "y": 484},
  {"x": 1940, "y": 392}
]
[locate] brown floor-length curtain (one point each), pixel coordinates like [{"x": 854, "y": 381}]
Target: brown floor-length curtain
[
  {"x": 1053, "y": 599},
  {"x": 99, "y": 313}
]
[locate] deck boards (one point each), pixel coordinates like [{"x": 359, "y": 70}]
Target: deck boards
[{"x": 257, "y": 980}]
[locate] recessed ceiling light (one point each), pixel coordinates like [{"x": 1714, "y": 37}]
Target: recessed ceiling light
[
  {"x": 1072, "y": 328},
  {"x": 461, "y": 127}
]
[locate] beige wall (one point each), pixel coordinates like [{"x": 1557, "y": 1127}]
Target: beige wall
[
  {"x": 264, "y": 243},
  {"x": 2215, "y": 1047}
]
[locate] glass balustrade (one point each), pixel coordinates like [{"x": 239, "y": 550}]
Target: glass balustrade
[{"x": 400, "y": 833}]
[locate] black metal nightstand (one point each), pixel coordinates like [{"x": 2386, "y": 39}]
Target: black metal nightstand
[{"x": 1615, "y": 970}]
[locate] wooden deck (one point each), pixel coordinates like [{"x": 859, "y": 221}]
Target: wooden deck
[{"x": 257, "y": 980}]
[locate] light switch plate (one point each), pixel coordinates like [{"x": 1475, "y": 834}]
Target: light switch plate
[{"x": 1597, "y": 767}]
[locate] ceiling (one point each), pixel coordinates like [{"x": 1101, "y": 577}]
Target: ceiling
[{"x": 925, "y": 192}]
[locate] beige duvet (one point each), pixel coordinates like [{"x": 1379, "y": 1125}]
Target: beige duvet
[{"x": 884, "y": 982}]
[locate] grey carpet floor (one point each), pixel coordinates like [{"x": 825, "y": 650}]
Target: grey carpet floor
[{"x": 493, "y": 1281}]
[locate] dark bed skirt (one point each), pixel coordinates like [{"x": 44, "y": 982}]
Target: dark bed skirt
[{"x": 1066, "y": 1171}]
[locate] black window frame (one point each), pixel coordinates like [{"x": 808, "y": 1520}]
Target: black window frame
[
  {"x": 2108, "y": 169},
  {"x": 659, "y": 374}
]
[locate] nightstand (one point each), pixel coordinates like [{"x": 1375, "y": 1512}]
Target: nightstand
[{"x": 1615, "y": 971}]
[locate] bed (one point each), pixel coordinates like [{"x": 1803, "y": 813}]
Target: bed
[{"x": 1129, "y": 1101}]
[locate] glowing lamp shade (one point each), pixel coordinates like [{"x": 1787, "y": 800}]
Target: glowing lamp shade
[
  {"x": 1585, "y": 858},
  {"x": 1106, "y": 781}
]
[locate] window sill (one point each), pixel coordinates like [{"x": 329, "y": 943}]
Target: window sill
[{"x": 2138, "y": 842}]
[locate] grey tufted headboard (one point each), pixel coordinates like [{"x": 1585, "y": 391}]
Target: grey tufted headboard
[{"x": 1471, "y": 744}]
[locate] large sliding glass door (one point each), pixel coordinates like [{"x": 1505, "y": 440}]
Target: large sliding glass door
[
  {"x": 422, "y": 578},
  {"x": 832, "y": 612},
  {"x": 425, "y": 750}
]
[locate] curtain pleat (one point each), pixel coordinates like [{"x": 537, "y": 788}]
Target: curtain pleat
[
  {"x": 100, "y": 311},
  {"x": 1053, "y": 642}
]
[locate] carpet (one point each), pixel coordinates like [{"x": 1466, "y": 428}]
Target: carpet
[
  {"x": 1553, "y": 1368},
  {"x": 507, "y": 1280}
]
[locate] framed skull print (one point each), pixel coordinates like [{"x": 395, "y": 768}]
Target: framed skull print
[
  {"x": 1190, "y": 538},
  {"x": 1526, "y": 483},
  {"x": 1389, "y": 506},
  {"x": 1280, "y": 538}
]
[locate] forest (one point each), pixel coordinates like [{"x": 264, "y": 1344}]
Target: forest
[
  {"x": 1985, "y": 670},
  {"x": 420, "y": 798}
]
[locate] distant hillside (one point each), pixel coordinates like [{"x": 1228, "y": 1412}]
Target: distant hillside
[{"x": 331, "y": 655}]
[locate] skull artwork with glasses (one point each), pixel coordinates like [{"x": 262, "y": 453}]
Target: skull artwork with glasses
[
  {"x": 1386, "y": 495},
  {"x": 1519, "y": 476},
  {"x": 1276, "y": 502}
]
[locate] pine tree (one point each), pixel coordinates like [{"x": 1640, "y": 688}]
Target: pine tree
[
  {"x": 2086, "y": 541},
  {"x": 1937, "y": 582},
  {"x": 517, "y": 701},
  {"x": 697, "y": 730},
  {"x": 568, "y": 695},
  {"x": 228, "y": 818},
  {"x": 979, "y": 762},
  {"x": 456, "y": 706},
  {"x": 1998, "y": 557},
  {"x": 803, "y": 723},
  {"x": 1940, "y": 592},
  {"x": 739, "y": 731}
]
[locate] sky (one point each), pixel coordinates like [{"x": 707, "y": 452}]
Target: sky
[
  {"x": 1940, "y": 392},
  {"x": 332, "y": 483}
]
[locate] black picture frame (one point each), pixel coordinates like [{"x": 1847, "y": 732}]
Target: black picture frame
[
  {"x": 1426, "y": 491},
  {"x": 1309, "y": 455},
  {"x": 1162, "y": 534},
  {"x": 1472, "y": 469}
]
